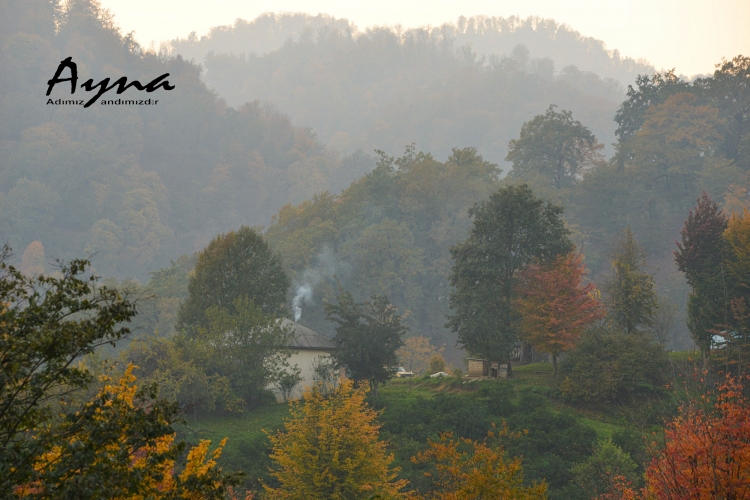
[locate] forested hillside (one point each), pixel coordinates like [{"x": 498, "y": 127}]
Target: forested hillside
[
  {"x": 136, "y": 185},
  {"x": 472, "y": 83},
  {"x": 391, "y": 232}
]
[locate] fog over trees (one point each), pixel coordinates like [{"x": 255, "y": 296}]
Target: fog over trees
[{"x": 469, "y": 83}]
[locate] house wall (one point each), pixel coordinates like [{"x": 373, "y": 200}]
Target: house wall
[
  {"x": 304, "y": 360},
  {"x": 477, "y": 368}
]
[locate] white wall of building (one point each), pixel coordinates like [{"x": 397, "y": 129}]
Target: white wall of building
[{"x": 304, "y": 360}]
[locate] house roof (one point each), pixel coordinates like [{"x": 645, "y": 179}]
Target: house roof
[{"x": 305, "y": 338}]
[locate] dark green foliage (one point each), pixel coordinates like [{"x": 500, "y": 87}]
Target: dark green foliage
[
  {"x": 651, "y": 90},
  {"x": 609, "y": 366},
  {"x": 511, "y": 229},
  {"x": 46, "y": 324},
  {"x": 554, "y": 441},
  {"x": 634, "y": 444},
  {"x": 629, "y": 294},
  {"x": 596, "y": 475},
  {"x": 387, "y": 234},
  {"x": 367, "y": 336},
  {"x": 553, "y": 444},
  {"x": 729, "y": 91},
  {"x": 700, "y": 256},
  {"x": 553, "y": 146},
  {"x": 238, "y": 264}
]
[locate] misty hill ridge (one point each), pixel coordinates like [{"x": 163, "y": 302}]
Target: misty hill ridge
[{"x": 486, "y": 35}]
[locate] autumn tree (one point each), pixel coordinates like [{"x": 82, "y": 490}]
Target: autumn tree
[
  {"x": 416, "y": 353},
  {"x": 329, "y": 449},
  {"x": 367, "y": 336},
  {"x": 729, "y": 91},
  {"x": 675, "y": 137},
  {"x": 555, "y": 146},
  {"x": 629, "y": 293},
  {"x": 235, "y": 265},
  {"x": 467, "y": 469},
  {"x": 701, "y": 255},
  {"x": 511, "y": 229},
  {"x": 46, "y": 323},
  {"x": 119, "y": 441},
  {"x": 737, "y": 237},
  {"x": 705, "y": 453},
  {"x": 121, "y": 444},
  {"x": 737, "y": 262},
  {"x": 556, "y": 306},
  {"x": 648, "y": 91}
]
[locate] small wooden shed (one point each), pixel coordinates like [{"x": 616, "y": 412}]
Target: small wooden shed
[{"x": 484, "y": 368}]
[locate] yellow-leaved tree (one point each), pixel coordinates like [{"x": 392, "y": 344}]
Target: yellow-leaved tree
[
  {"x": 468, "y": 470},
  {"x": 330, "y": 450},
  {"x": 119, "y": 446}
]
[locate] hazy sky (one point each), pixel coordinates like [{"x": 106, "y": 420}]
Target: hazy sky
[{"x": 689, "y": 35}]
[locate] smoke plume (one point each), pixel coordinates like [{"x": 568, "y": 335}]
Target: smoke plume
[{"x": 304, "y": 294}]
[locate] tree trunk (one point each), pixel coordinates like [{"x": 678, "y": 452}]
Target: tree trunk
[{"x": 554, "y": 364}]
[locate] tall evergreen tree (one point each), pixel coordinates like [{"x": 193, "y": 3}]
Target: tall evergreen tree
[
  {"x": 630, "y": 293},
  {"x": 511, "y": 229},
  {"x": 700, "y": 255}
]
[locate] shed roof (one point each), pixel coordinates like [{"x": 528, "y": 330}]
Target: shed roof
[{"x": 305, "y": 338}]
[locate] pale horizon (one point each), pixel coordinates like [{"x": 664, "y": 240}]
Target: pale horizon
[{"x": 690, "y": 36}]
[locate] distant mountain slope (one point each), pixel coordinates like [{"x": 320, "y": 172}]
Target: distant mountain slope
[
  {"x": 486, "y": 35},
  {"x": 135, "y": 185},
  {"x": 384, "y": 88}
]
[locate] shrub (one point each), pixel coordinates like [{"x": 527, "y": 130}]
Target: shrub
[
  {"x": 598, "y": 473},
  {"x": 608, "y": 365},
  {"x": 437, "y": 364}
]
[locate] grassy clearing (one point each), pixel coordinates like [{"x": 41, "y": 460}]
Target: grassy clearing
[{"x": 248, "y": 445}]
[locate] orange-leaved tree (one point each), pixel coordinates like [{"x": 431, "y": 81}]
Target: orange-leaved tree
[
  {"x": 330, "y": 450},
  {"x": 467, "y": 469},
  {"x": 705, "y": 453},
  {"x": 119, "y": 445},
  {"x": 556, "y": 306}
]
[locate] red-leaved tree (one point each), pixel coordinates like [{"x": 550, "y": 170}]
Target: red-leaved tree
[
  {"x": 705, "y": 454},
  {"x": 556, "y": 305}
]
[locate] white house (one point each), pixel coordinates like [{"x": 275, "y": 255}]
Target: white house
[{"x": 308, "y": 348}]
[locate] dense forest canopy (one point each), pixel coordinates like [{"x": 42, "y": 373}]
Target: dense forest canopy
[{"x": 138, "y": 187}]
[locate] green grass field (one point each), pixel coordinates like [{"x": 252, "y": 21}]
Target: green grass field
[{"x": 246, "y": 436}]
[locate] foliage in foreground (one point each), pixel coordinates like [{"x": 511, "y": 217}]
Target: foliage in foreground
[
  {"x": 467, "y": 469},
  {"x": 119, "y": 443},
  {"x": 330, "y": 450},
  {"x": 705, "y": 453}
]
